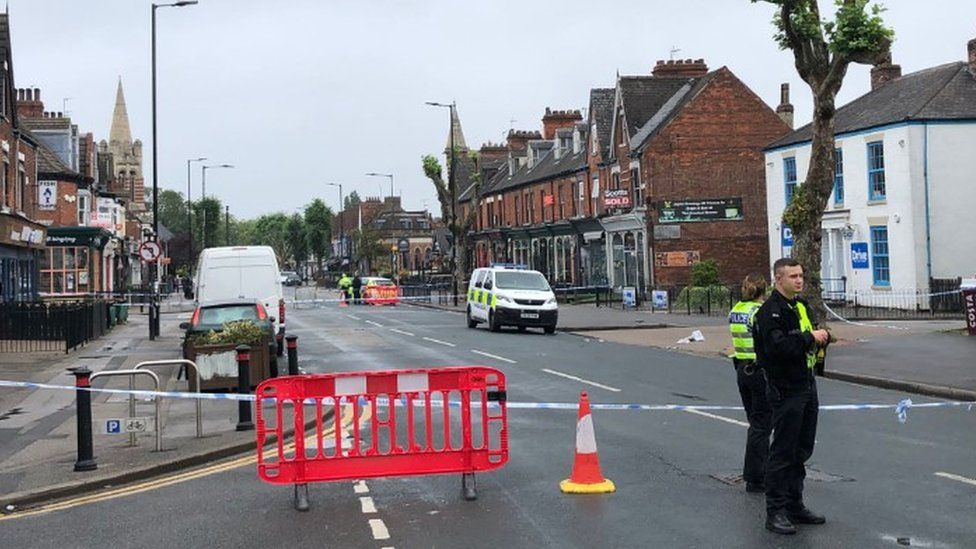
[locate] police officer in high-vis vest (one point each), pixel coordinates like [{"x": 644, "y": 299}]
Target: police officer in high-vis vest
[
  {"x": 786, "y": 347},
  {"x": 752, "y": 384}
]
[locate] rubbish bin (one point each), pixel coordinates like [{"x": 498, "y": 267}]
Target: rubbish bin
[
  {"x": 113, "y": 315},
  {"x": 968, "y": 287}
]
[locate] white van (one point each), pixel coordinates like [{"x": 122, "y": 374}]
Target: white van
[
  {"x": 506, "y": 296},
  {"x": 242, "y": 272}
]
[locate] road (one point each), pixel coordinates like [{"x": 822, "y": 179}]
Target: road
[{"x": 882, "y": 480}]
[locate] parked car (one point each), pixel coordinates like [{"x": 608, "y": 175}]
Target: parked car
[
  {"x": 215, "y": 315},
  {"x": 239, "y": 273},
  {"x": 290, "y": 278}
]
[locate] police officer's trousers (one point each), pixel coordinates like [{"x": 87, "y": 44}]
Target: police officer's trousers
[
  {"x": 752, "y": 389},
  {"x": 794, "y": 432}
]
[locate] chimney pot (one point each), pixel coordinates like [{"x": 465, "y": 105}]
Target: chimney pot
[
  {"x": 785, "y": 109},
  {"x": 37, "y": 94},
  {"x": 972, "y": 56}
]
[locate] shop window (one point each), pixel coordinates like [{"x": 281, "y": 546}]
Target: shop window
[{"x": 65, "y": 270}]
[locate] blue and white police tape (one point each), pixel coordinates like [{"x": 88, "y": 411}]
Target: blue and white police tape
[{"x": 901, "y": 408}]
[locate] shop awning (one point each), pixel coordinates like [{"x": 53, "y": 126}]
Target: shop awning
[{"x": 94, "y": 237}]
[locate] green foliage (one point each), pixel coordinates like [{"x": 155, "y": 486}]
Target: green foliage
[
  {"x": 297, "y": 238},
  {"x": 704, "y": 273},
  {"x": 272, "y": 230},
  {"x": 368, "y": 245},
  {"x": 703, "y": 299},
  {"x": 209, "y": 209},
  {"x": 859, "y": 30},
  {"x": 172, "y": 211},
  {"x": 352, "y": 200},
  {"x": 240, "y": 332},
  {"x": 318, "y": 228}
]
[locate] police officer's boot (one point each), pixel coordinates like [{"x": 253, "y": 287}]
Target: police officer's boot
[{"x": 780, "y": 523}]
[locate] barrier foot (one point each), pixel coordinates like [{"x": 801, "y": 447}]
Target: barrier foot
[
  {"x": 301, "y": 497},
  {"x": 468, "y": 487}
]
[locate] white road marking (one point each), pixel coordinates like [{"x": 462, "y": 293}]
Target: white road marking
[
  {"x": 718, "y": 417},
  {"x": 354, "y": 317},
  {"x": 581, "y": 380},
  {"x": 367, "y": 505},
  {"x": 958, "y": 478},
  {"x": 496, "y": 357},
  {"x": 360, "y": 487},
  {"x": 377, "y": 324},
  {"x": 401, "y": 332},
  {"x": 432, "y": 340},
  {"x": 379, "y": 529}
]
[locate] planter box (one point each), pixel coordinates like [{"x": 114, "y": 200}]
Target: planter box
[{"x": 218, "y": 365}]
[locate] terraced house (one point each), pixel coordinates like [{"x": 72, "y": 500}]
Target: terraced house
[{"x": 665, "y": 170}]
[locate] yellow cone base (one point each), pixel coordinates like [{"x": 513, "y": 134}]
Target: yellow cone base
[{"x": 569, "y": 487}]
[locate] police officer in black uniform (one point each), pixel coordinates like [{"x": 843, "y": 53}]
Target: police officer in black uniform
[{"x": 786, "y": 347}]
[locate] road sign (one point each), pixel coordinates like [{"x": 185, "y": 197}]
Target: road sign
[
  {"x": 119, "y": 426},
  {"x": 150, "y": 251},
  {"x": 403, "y": 245}
]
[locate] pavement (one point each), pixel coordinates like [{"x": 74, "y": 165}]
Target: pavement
[
  {"x": 928, "y": 357},
  {"x": 876, "y": 479}
]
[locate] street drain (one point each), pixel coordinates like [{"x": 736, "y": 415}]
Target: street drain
[{"x": 815, "y": 475}]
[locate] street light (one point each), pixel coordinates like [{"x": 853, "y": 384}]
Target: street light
[
  {"x": 154, "y": 267},
  {"x": 451, "y": 188},
  {"x": 390, "y": 175},
  {"x": 342, "y": 234},
  {"x": 189, "y": 213},
  {"x": 204, "y": 194}
]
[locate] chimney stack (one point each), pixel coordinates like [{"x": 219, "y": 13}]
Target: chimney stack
[
  {"x": 972, "y": 56},
  {"x": 680, "y": 68},
  {"x": 29, "y": 103},
  {"x": 554, "y": 120},
  {"x": 518, "y": 140},
  {"x": 884, "y": 72},
  {"x": 785, "y": 108}
]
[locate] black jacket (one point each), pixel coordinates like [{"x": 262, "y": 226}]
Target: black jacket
[{"x": 781, "y": 348}]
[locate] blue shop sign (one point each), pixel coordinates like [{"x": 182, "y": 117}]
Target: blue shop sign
[{"x": 859, "y": 255}]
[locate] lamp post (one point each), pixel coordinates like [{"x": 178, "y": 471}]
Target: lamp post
[
  {"x": 342, "y": 234},
  {"x": 154, "y": 269},
  {"x": 204, "y": 197},
  {"x": 390, "y": 175},
  {"x": 451, "y": 188},
  {"x": 189, "y": 213}
]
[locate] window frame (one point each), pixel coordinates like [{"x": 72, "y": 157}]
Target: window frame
[
  {"x": 789, "y": 185},
  {"x": 880, "y": 259},
  {"x": 838, "y": 177},
  {"x": 876, "y": 174}
]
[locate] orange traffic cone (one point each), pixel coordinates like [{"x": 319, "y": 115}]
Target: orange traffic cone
[
  {"x": 342, "y": 300},
  {"x": 586, "y": 477}
]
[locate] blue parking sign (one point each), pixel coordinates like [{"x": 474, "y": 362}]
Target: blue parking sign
[
  {"x": 113, "y": 426},
  {"x": 787, "y": 237},
  {"x": 859, "y": 255}
]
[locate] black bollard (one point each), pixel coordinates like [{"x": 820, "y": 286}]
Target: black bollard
[
  {"x": 292, "y": 343},
  {"x": 244, "y": 387},
  {"x": 86, "y": 457}
]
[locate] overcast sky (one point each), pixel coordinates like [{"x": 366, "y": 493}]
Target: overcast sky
[{"x": 296, "y": 93}]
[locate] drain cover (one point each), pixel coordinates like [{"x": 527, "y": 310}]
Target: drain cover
[{"x": 735, "y": 479}]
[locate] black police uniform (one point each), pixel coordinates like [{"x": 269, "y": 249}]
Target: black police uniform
[{"x": 782, "y": 350}]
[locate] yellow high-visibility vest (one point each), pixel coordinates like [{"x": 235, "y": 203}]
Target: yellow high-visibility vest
[{"x": 740, "y": 324}]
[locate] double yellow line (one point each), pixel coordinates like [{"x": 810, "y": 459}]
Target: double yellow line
[{"x": 133, "y": 489}]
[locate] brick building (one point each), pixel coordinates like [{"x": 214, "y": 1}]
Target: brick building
[
  {"x": 666, "y": 171},
  {"x": 405, "y": 236}
]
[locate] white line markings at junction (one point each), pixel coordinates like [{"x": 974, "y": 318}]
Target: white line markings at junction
[
  {"x": 581, "y": 380},
  {"x": 377, "y": 324},
  {"x": 496, "y": 357},
  {"x": 367, "y": 505},
  {"x": 432, "y": 340},
  {"x": 718, "y": 417},
  {"x": 401, "y": 332},
  {"x": 354, "y": 317},
  {"x": 957, "y": 478},
  {"x": 379, "y": 529},
  {"x": 360, "y": 487}
]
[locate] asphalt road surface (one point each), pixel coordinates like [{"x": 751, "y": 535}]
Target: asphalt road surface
[{"x": 880, "y": 481}]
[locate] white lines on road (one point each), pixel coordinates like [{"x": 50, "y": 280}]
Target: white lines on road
[
  {"x": 354, "y": 317},
  {"x": 379, "y": 529},
  {"x": 956, "y": 478},
  {"x": 377, "y": 324},
  {"x": 718, "y": 417},
  {"x": 432, "y": 340},
  {"x": 366, "y": 503},
  {"x": 360, "y": 487},
  {"x": 581, "y": 380},
  {"x": 496, "y": 357},
  {"x": 401, "y": 332}
]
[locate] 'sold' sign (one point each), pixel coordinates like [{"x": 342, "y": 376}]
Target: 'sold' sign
[{"x": 616, "y": 198}]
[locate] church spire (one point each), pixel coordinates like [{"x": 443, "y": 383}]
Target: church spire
[
  {"x": 120, "y": 132},
  {"x": 459, "y": 143}
]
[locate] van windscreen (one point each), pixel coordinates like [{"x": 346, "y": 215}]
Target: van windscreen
[{"x": 520, "y": 280}]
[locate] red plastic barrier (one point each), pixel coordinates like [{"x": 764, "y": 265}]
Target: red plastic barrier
[
  {"x": 382, "y": 295},
  {"x": 422, "y": 421}
]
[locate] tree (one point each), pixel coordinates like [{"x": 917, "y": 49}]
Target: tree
[
  {"x": 208, "y": 210},
  {"x": 297, "y": 239},
  {"x": 318, "y": 226},
  {"x": 368, "y": 246},
  {"x": 272, "y": 230},
  {"x": 458, "y": 228},
  {"x": 352, "y": 200},
  {"x": 822, "y": 51},
  {"x": 172, "y": 211}
]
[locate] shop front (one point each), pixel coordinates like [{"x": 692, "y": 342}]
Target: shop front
[
  {"x": 21, "y": 245},
  {"x": 75, "y": 262},
  {"x": 626, "y": 238}
]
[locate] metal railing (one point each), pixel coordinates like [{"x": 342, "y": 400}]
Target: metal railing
[
  {"x": 132, "y": 400},
  {"x": 52, "y": 326},
  {"x": 181, "y": 362}
]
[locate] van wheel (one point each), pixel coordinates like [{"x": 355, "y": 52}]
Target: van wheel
[
  {"x": 550, "y": 329},
  {"x": 471, "y": 322},
  {"x": 492, "y": 324}
]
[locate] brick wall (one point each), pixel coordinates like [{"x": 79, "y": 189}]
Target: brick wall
[{"x": 713, "y": 149}]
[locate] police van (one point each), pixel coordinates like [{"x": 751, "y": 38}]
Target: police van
[{"x": 507, "y": 295}]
